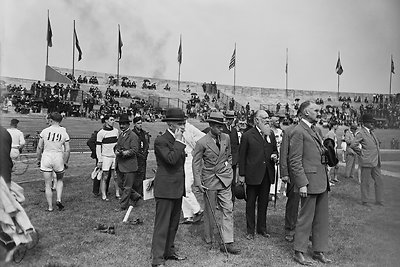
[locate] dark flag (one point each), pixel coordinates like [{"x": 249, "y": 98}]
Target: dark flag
[
  {"x": 77, "y": 45},
  {"x": 120, "y": 45},
  {"x": 339, "y": 69},
  {"x": 180, "y": 51},
  {"x": 232, "y": 63},
  {"x": 49, "y": 34},
  {"x": 392, "y": 66}
]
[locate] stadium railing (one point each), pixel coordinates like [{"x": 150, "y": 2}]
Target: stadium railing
[{"x": 77, "y": 144}]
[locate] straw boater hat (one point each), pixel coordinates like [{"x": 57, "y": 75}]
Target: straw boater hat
[
  {"x": 174, "y": 114},
  {"x": 230, "y": 114},
  {"x": 216, "y": 117}
]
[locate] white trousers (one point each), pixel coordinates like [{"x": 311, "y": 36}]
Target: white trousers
[
  {"x": 272, "y": 189},
  {"x": 190, "y": 205}
]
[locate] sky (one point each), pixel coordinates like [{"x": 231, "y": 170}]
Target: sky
[{"x": 365, "y": 32}]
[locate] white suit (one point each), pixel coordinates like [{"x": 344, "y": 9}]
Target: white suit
[{"x": 190, "y": 205}]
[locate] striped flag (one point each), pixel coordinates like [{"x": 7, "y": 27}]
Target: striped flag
[
  {"x": 180, "y": 51},
  {"x": 392, "y": 65},
  {"x": 232, "y": 63},
  {"x": 49, "y": 34},
  {"x": 120, "y": 44},
  {"x": 77, "y": 45},
  {"x": 339, "y": 69}
]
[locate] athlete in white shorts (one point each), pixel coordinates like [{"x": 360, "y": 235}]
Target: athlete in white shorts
[
  {"x": 105, "y": 143},
  {"x": 53, "y": 153}
]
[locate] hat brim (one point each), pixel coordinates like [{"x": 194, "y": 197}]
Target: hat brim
[
  {"x": 174, "y": 119},
  {"x": 215, "y": 121}
]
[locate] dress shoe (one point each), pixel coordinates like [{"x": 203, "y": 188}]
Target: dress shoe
[
  {"x": 187, "y": 221},
  {"x": 264, "y": 234},
  {"x": 299, "y": 258},
  {"x": 289, "y": 238},
  {"x": 229, "y": 248},
  {"x": 175, "y": 257},
  {"x": 158, "y": 265},
  {"x": 120, "y": 209},
  {"x": 379, "y": 203},
  {"x": 319, "y": 256},
  {"x": 250, "y": 236},
  {"x": 198, "y": 216},
  {"x": 366, "y": 204}
]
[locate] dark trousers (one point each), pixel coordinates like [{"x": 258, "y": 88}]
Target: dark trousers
[
  {"x": 168, "y": 212},
  {"x": 259, "y": 193},
  {"x": 138, "y": 183},
  {"x": 292, "y": 209},
  {"x": 125, "y": 183},
  {"x": 313, "y": 219}
]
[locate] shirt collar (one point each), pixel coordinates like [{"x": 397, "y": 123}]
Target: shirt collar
[
  {"x": 368, "y": 130},
  {"x": 306, "y": 122},
  {"x": 173, "y": 135},
  {"x": 259, "y": 130}
]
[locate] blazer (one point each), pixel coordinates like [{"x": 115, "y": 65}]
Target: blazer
[
  {"x": 369, "y": 152},
  {"x": 305, "y": 159},
  {"x": 255, "y": 157},
  {"x": 127, "y": 142},
  {"x": 212, "y": 167},
  {"x": 169, "y": 181},
  {"x": 284, "y": 151}
]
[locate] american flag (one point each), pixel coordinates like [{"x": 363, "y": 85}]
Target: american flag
[
  {"x": 49, "y": 34},
  {"x": 180, "y": 51},
  {"x": 233, "y": 60},
  {"x": 77, "y": 45},
  {"x": 392, "y": 66},
  {"x": 120, "y": 44},
  {"x": 339, "y": 69}
]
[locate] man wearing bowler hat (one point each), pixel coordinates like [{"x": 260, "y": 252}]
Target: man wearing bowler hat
[
  {"x": 370, "y": 159},
  {"x": 126, "y": 163},
  {"x": 213, "y": 174},
  {"x": 169, "y": 187}
]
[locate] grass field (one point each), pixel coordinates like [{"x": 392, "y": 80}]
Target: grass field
[{"x": 359, "y": 236}]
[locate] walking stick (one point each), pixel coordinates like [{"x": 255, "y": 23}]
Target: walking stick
[
  {"x": 215, "y": 220},
  {"x": 276, "y": 184}
]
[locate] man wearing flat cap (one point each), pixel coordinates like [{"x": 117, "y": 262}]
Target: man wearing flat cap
[
  {"x": 18, "y": 140},
  {"x": 370, "y": 160},
  {"x": 169, "y": 187},
  {"x": 213, "y": 174}
]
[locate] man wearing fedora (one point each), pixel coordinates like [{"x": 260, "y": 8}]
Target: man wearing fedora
[
  {"x": 126, "y": 163},
  {"x": 169, "y": 187},
  {"x": 213, "y": 174},
  {"x": 370, "y": 159}
]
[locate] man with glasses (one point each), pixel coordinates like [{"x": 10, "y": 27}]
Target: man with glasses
[{"x": 258, "y": 153}]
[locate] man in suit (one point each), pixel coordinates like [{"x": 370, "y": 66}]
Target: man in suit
[
  {"x": 212, "y": 170},
  {"x": 370, "y": 159},
  {"x": 169, "y": 187},
  {"x": 350, "y": 155},
  {"x": 307, "y": 162},
  {"x": 230, "y": 130},
  {"x": 293, "y": 198},
  {"x": 126, "y": 163},
  {"x": 142, "y": 153},
  {"x": 257, "y": 156}
]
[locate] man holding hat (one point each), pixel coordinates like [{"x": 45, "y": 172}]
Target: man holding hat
[
  {"x": 213, "y": 174},
  {"x": 370, "y": 159},
  {"x": 18, "y": 140},
  {"x": 169, "y": 187},
  {"x": 126, "y": 163}
]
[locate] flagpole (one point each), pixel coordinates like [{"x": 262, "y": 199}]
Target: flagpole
[
  {"x": 73, "y": 52},
  {"x": 179, "y": 61},
  {"x": 118, "y": 56},
  {"x": 390, "y": 82},
  {"x": 287, "y": 71},
  {"x": 338, "y": 78},
  {"x": 47, "y": 41},
  {"x": 234, "y": 73}
]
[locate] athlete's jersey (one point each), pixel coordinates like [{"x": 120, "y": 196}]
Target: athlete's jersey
[
  {"x": 105, "y": 143},
  {"x": 54, "y": 138}
]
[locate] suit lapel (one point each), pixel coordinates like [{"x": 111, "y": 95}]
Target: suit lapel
[
  {"x": 211, "y": 144},
  {"x": 257, "y": 136},
  {"x": 313, "y": 134}
]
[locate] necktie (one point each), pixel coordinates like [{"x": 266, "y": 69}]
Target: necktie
[
  {"x": 218, "y": 143},
  {"x": 373, "y": 136},
  {"x": 315, "y": 131}
]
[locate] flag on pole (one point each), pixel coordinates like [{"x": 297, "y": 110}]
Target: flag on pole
[
  {"x": 180, "y": 51},
  {"x": 232, "y": 63},
  {"x": 120, "y": 44},
  {"x": 77, "y": 45},
  {"x": 339, "y": 69},
  {"x": 392, "y": 65},
  {"x": 49, "y": 34}
]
